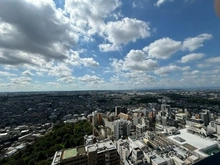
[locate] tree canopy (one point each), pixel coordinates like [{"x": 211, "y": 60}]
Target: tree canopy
[{"x": 42, "y": 151}]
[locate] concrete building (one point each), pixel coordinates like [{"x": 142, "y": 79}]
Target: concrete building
[
  {"x": 165, "y": 107},
  {"x": 164, "y": 121},
  {"x": 121, "y": 128},
  {"x": 96, "y": 154},
  {"x": 123, "y": 149},
  {"x": 140, "y": 130},
  {"x": 180, "y": 116},
  {"x": 73, "y": 156},
  {"x": 205, "y": 116},
  {"x": 119, "y": 109}
]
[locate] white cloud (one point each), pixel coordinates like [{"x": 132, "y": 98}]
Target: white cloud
[
  {"x": 195, "y": 72},
  {"x": 68, "y": 79},
  {"x": 134, "y": 5},
  {"x": 160, "y": 2},
  {"x": 20, "y": 81},
  {"x": 185, "y": 68},
  {"x": 6, "y": 74},
  {"x": 117, "y": 64},
  {"x": 192, "y": 57},
  {"x": 34, "y": 36},
  {"x": 194, "y": 43},
  {"x": 126, "y": 30},
  {"x": 139, "y": 78},
  {"x": 165, "y": 70},
  {"x": 163, "y": 48},
  {"x": 52, "y": 84},
  {"x": 60, "y": 70},
  {"x": 136, "y": 60},
  {"x": 108, "y": 47},
  {"x": 91, "y": 79},
  {"x": 89, "y": 62},
  {"x": 89, "y": 16},
  {"x": 134, "y": 79},
  {"x": 27, "y": 73},
  {"x": 75, "y": 60},
  {"x": 210, "y": 62},
  {"x": 213, "y": 60}
]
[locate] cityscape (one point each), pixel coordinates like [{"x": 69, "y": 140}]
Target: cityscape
[
  {"x": 109, "y": 82},
  {"x": 158, "y": 127}
]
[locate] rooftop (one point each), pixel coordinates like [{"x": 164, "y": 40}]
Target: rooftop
[
  {"x": 180, "y": 114},
  {"x": 157, "y": 159},
  {"x": 101, "y": 146},
  {"x": 195, "y": 141},
  {"x": 69, "y": 153}
]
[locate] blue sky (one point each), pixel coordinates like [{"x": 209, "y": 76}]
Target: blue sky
[{"x": 114, "y": 44}]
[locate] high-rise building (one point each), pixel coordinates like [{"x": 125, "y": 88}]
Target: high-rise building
[
  {"x": 152, "y": 120},
  {"x": 205, "y": 115},
  {"x": 96, "y": 154},
  {"x": 119, "y": 109},
  {"x": 165, "y": 107},
  {"x": 121, "y": 128}
]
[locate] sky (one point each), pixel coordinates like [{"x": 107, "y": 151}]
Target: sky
[{"x": 48, "y": 45}]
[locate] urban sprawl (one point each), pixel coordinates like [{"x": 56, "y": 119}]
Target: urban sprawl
[{"x": 157, "y": 127}]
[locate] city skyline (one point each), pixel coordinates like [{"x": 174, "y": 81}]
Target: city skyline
[{"x": 108, "y": 45}]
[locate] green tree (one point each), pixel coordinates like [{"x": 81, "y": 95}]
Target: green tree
[
  {"x": 67, "y": 144},
  {"x": 43, "y": 162},
  {"x": 31, "y": 162},
  {"x": 41, "y": 156}
]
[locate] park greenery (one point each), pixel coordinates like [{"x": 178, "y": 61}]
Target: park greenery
[{"x": 42, "y": 151}]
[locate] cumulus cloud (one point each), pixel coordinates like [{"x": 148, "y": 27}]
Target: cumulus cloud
[
  {"x": 194, "y": 43},
  {"x": 60, "y": 70},
  {"x": 6, "y": 74},
  {"x": 75, "y": 60},
  {"x": 185, "y": 68},
  {"x": 126, "y": 30},
  {"x": 213, "y": 60},
  {"x": 135, "y": 79},
  {"x": 195, "y": 72},
  {"x": 89, "y": 16},
  {"x": 140, "y": 78},
  {"x": 68, "y": 79},
  {"x": 192, "y": 57},
  {"x": 35, "y": 28},
  {"x": 136, "y": 60},
  {"x": 165, "y": 70},
  {"x": 210, "y": 62},
  {"x": 163, "y": 48},
  {"x": 89, "y": 62},
  {"x": 14, "y": 57},
  {"x": 20, "y": 81},
  {"x": 91, "y": 79},
  {"x": 27, "y": 73},
  {"x": 108, "y": 47},
  {"x": 117, "y": 64}
]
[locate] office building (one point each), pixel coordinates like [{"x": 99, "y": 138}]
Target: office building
[
  {"x": 119, "y": 109},
  {"x": 121, "y": 128},
  {"x": 205, "y": 116},
  {"x": 95, "y": 154}
]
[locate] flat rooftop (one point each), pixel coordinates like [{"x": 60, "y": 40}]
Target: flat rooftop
[
  {"x": 194, "y": 142},
  {"x": 101, "y": 146},
  {"x": 69, "y": 153}
]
